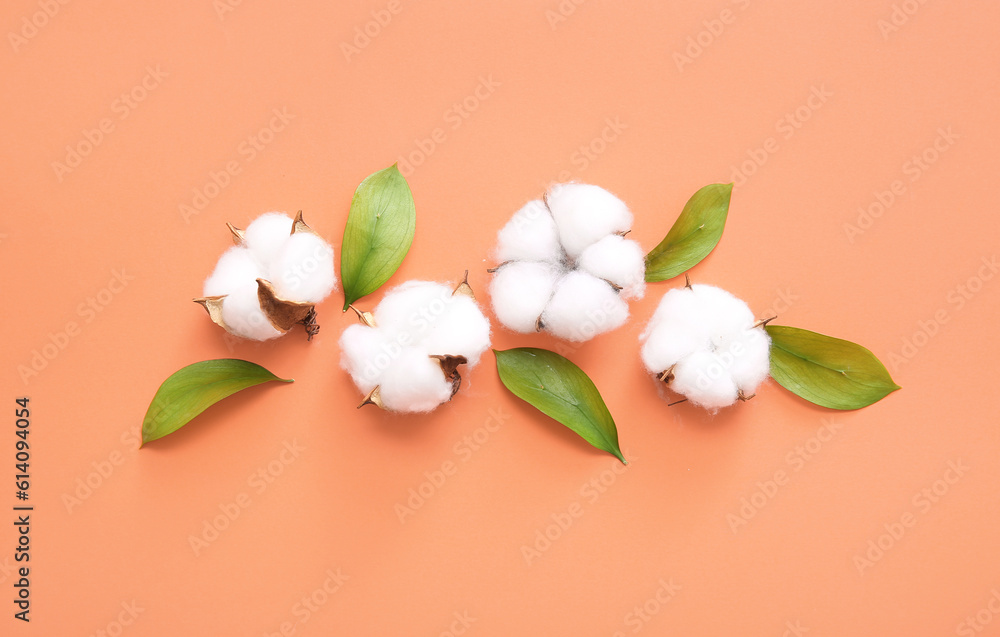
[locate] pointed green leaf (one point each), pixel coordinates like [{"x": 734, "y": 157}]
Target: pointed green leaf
[
  {"x": 827, "y": 371},
  {"x": 695, "y": 233},
  {"x": 561, "y": 390},
  {"x": 379, "y": 232},
  {"x": 193, "y": 389}
]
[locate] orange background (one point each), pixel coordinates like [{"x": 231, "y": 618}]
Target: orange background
[{"x": 891, "y": 75}]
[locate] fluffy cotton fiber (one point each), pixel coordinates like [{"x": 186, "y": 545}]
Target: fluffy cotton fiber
[
  {"x": 566, "y": 266},
  {"x": 710, "y": 345},
  {"x": 415, "y": 324},
  {"x": 298, "y": 264},
  {"x": 302, "y": 269}
]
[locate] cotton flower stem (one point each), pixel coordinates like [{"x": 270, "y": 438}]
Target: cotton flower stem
[
  {"x": 464, "y": 289},
  {"x": 616, "y": 288},
  {"x": 687, "y": 281},
  {"x": 667, "y": 375},
  {"x": 493, "y": 270},
  {"x": 743, "y": 397},
  {"x": 365, "y": 317},
  {"x": 298, "y": 225},
  {"x": 763, "y": 322},
  {"x": 374, "y": 397},
  {"x": 213, "y": 305},
  {"x": 239, "y": 237},
  {"x": 677, "y": 402},
  {"x": 309, "y": 323}
]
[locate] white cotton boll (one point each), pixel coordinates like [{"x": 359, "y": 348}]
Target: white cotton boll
[
  {"x": 705, "y": 335},
  {"x": 751, "y": 362},
  {"x": 582, "y": 307},
  {"x": 618, "y": 260},
  {"x": 411, "y": 309},
  {"x": 667, "y": 343},
  {"x": 570, "y": 269},
  {"x": 235, "y": 276},
  {"x": 414, "y": 382},
  {"x": 242, "y": 314},
  {"x": 414, "y": 323},
  {"x": 461, "y": 331},
  {"x": 530, "y": 235},
  {"x": 365, "y": 354},
  {"x": 677, "y": 303},
  {"x": 519, "y": 292},
  {"x": 584, "y": 214},
  {"x": 703, "y": 379},
  {"x": 302, "y": 269},
  {"x": 235, "y": 267},
  {"x": 720, "y": 311},
  {"x": 266, "y": 235}
]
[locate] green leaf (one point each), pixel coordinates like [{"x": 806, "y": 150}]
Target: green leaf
[
  {"x": 193, "y": 389},
  {"x": 561, "y": 390},
  {"x": 827, "y": 371},
  {"x": 695, "y": 233},
  {"x": 379, "y": 232}
]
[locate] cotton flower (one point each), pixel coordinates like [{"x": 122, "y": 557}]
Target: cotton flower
[
  {"x": 707, "y": 346},
  {"x": 566, "y": 266},
  {"x": 405, "y": 355},
  {"x": 271, "y": 279}
]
